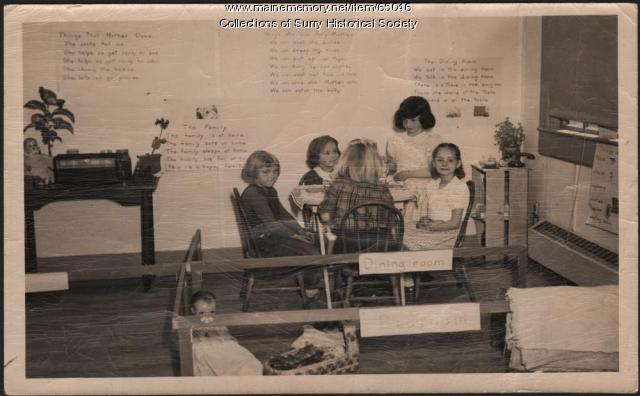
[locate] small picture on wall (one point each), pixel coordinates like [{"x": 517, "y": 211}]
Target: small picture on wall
[
  {"x": 480, "y": 111},
  {"x": 454, "y": 112},
  {"x": 209, "y": 112}
]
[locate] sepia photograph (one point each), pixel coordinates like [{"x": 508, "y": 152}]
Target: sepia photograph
[{"x": 320, "y": 198}]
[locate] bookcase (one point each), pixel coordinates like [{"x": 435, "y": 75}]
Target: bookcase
[{"x": 500, "y": 209}]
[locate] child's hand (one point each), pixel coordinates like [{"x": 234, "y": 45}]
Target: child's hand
[
  {"x": 303, "y": 236},
  {"x": 206, "y": 318},
  {"x": 423, "y": 223},
  {"x": 400, "y": 176},
  {"x": 325, "y": 217},
  {"x": 390, "y": 165},
  {"x": 308, "y": 236},
  {"x": 298, "y": 237},
  {"x": 434, "y": 224},
  {"x": 296, "y": 194}
]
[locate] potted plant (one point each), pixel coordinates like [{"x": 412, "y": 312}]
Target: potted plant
[
  {"x": 50, "y": 116},
  {"x": 509, "y": 139},
  {"x": 149, "y": 164}
]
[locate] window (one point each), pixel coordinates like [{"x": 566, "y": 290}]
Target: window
[{"x": 578, "y": 86}]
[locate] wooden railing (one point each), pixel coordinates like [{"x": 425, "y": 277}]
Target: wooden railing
[{"x": 226, "y": 265}]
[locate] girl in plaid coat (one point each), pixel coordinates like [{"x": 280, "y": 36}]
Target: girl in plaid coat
[{"x": 360, "y": 179}]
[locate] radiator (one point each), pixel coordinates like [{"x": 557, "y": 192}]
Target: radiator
[{"x": 571, "y": 256}]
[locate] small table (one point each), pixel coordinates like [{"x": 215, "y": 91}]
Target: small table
[{"x": 131, "y": 193}]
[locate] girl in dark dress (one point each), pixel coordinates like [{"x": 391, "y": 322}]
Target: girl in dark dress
[
  {"x": 275, "y": 230},
  {"x": 322, "y": 157}
]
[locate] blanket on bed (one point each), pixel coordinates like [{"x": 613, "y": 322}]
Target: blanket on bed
[
  {"x": 563, "y": 328},
  {"x": 217, "y": 353}
]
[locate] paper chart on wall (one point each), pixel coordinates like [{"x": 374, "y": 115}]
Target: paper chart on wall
[
  {"x": 457, "y": 84},
  {"x": 603, "y": 196},
  {"x": 204, "y": 146}
]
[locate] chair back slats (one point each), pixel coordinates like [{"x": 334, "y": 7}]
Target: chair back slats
[
  {"x": 463, "y": 227},
  {"x": 371, "y": 226},
  {"x": 249, "y": 248}
]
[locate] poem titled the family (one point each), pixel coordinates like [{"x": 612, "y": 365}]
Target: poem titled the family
[
  {"x": 105, "y": 56},
  {"x": 203, "y": 147},
  {"x": 473, "y": 81},
  {"x": 302, "y": 62}
]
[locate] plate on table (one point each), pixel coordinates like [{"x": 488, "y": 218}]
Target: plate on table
[
  {"x": 313, "y": 189},
  {"x": 395, "y": 184}
]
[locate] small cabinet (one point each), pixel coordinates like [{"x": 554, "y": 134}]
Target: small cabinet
[{"x": 500, "y": 210}]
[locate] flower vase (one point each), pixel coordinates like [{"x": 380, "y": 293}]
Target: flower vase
[{"x": 148, "y": 165}]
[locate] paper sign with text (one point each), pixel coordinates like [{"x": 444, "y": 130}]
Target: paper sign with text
[
  {"x": 418, "y": 319},
  {"x": 399, "y": 262}
]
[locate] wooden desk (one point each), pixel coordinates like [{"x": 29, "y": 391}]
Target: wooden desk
[{"x": 134, "y": 193}]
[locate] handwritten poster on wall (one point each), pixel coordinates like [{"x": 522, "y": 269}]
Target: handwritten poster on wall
[
  {"x": 603, "y": 195},
  {"x": 105, "y": 55},
  {"x": 310, "y": 62},
  {"x": 454, "y": 82},
  {"x": 204, "y": 146}
]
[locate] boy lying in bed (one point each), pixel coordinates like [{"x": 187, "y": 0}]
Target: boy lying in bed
[{"x": 215, "y": 351}]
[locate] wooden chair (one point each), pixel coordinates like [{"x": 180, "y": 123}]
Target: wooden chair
[
  {"x": 250, "y": 250},
  {"x": 460, "y": 272},
  {"x": 370, "y": 227}
]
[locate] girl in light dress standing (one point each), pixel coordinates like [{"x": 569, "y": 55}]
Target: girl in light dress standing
[{"x": 408, "y": 151}]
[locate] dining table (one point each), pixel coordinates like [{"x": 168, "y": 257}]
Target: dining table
[{"x": 310, "y": 197}]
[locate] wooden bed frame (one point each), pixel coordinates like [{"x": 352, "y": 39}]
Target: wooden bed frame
[{"x": 190, "y": 276}]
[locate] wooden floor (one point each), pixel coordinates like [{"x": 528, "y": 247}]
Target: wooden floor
[{"x": 113, "y": 329}]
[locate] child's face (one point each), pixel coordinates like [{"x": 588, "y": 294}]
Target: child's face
[
  {"x": 267, "y": 176},
  {"x": 203, "y": 308},
  {"x": 328, "y": 157},
  {"x": 412, "y": 125},
  {"x": 31, "y": 147},
  {"x": 446, "y": 162}
]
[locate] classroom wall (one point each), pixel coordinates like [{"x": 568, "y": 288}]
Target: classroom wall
[
  {"x": 560, "y": 188},
  {"x": 171, "y": 68}
]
